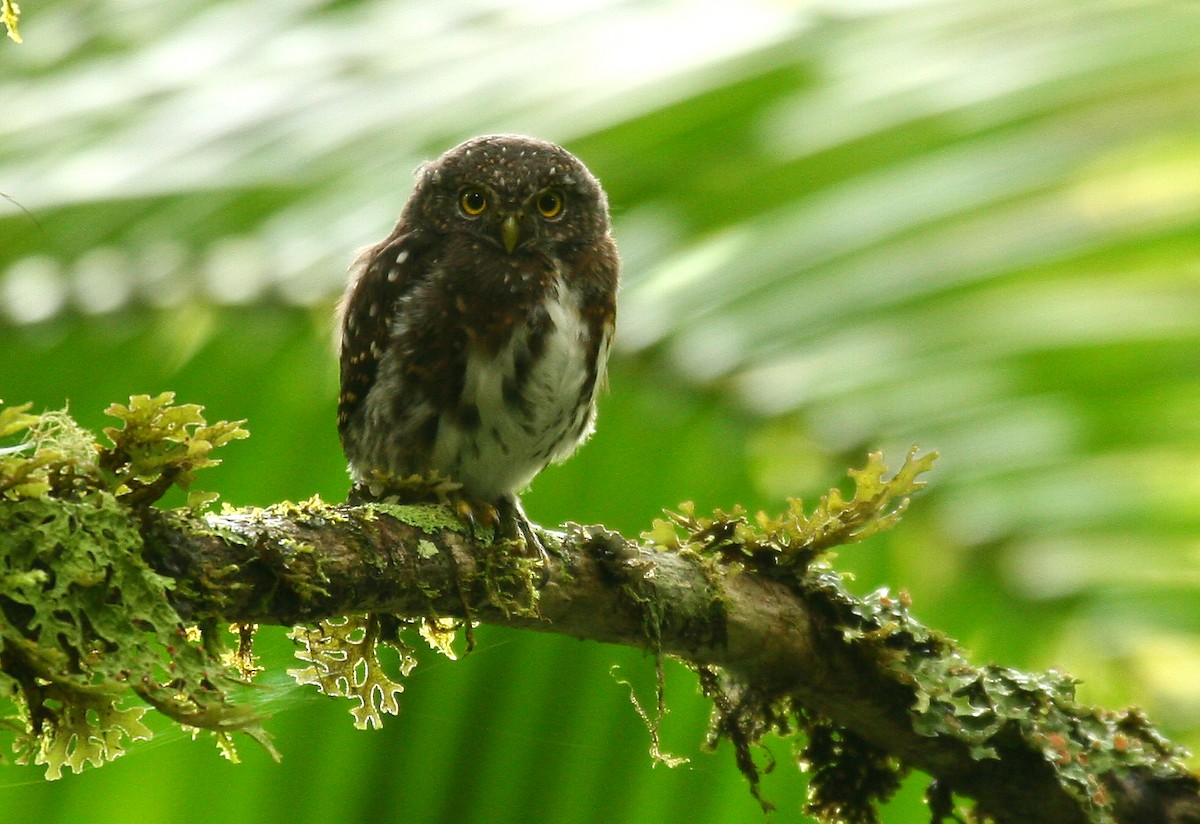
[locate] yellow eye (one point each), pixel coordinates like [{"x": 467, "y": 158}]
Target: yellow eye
[
  {"x": 472, "y": 202},
  {"x": 549, "y": 203}
]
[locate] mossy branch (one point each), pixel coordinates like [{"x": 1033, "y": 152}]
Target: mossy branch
[{"x": 141, "y": 595}]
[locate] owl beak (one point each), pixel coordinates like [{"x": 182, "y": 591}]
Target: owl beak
[{"x": 510, "y": 233}]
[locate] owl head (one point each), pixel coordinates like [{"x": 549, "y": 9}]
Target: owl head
[{"x": 516, "y": 192}]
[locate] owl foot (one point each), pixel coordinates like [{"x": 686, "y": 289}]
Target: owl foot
[
  {"x": 474, "y": 512},
  {"x": 505, "y": 519},
  {"x": 515, "y": 525}
]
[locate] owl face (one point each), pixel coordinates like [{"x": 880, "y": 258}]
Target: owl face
[{"x": 515, "y": 192}]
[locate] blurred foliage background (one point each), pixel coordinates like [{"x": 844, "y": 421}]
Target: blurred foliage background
[{"x": 967, "y": 224}]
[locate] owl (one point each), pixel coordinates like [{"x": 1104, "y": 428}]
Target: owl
[{"x": 474, "y": 337}]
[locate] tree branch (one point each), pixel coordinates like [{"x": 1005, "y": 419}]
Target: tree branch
[
  {"x": 777, "y": 642},
  {"x": 103, "y": 596}
]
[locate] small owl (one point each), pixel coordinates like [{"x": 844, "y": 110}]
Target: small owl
[{"x": 475, "y": 336}]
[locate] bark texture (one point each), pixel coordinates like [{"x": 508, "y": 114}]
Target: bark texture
[{"x": 777, "y": 643}]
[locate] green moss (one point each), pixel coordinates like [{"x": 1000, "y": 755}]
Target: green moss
[
  {"x": 847, "y": 775},
  {"x": 425, "y": 517},
  {"x": 509, "y": 578},
  {"x": 298, "y": 566},
  {"x": 89, "y": 640}
]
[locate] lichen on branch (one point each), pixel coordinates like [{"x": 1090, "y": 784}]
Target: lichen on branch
[
  {"x": 87, "y": 629},
  {"x": 90, "y": 635},
  {"x": 783, "y": 546},
  {"x": 110, "y": 604}
]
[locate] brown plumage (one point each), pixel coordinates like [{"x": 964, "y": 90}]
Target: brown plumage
[{"x": 475, "y": 336}]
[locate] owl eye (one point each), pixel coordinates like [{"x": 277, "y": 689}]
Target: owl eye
[
  {"x": 472, "y": 202},
  {"x": 549, "y": 203}
]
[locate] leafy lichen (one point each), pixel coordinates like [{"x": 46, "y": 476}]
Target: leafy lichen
[
  {"x": 88, "y": 636},
  {"x": 846, "y": 774},
  {"x": 87, "y": 627},
  {"x": 342, "y": 657},
  {"x": 991, "y": 710},
  {"x": 343, "y": 662},
  {"x": 161, "y": 444},
  {"x": 783, "y": 546}
]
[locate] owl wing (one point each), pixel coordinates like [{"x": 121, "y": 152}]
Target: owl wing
[
  {"x": 600, "y": 271},
  {"x": 381, "y": 276}
]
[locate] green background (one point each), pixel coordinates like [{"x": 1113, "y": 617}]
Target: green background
[{"x": 973, "y": 226}]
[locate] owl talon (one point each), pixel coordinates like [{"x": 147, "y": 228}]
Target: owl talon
[
  {"x": 475, "y": 513},
  {"x": 515, "y": 525},
  {"x": 531, "y": 538},
  {"x": 505, "y": 519}
]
